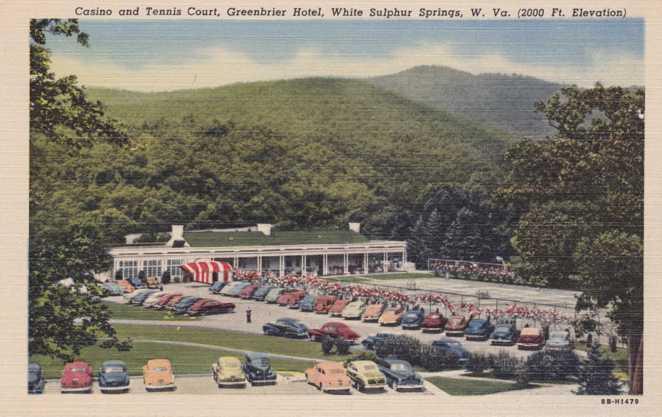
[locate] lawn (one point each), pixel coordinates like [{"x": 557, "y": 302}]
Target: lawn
[
  {"x": 133, "y": 312},
  {"x": 185, "y": 359},
  {"x": 456, "y": 386},
  {"x": 225, "y": 338}
]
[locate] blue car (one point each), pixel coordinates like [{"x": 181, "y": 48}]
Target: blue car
[
  {"x": 113, "y": 377},
  {"x": 412, "y": 319},
  {"x": 136, "y": 282},
  {"x": 261, "y": 292},
  {"x": 36, "y": 379},
  {"x": 449, "y": 345},
  {"x": 372, "y": 342},
  {"x": 478, "y": 329},
  {"x": 504, "y": 334},
  {"x": 308, "y": 303},
  {"x": 184, "y": 304},
  {"x": 112, "y": 289},
  {"x": 216, "y": 287},
  {"x": 258, "y": 370}
]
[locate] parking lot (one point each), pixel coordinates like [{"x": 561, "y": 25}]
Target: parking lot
[{"x": 263, "y": 313}]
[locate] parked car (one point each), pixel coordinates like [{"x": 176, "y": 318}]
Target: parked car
[
  {"x": 324, "y": 303},
  {"x": 433, "y": 322},
  {"x": 36, "y": 379},
  {"x": 130, "y": 296},
  {"x": 504, "y": 333},
  {"x": 227, "y": 372},
  {"x": 307, "y": 303},
  {"x": 290, "y": 297},
  {"x": 152, "y": 282},
  {"x": 337, "y": 307},
  {"x": 452, "y": 346},
  {"x": 560, "y": 340},
  {"x": 456, "y": 325},
  {"x": 228, "y": 288},
  {"x": 372, "y": 312},
  {"x": 114, "y": 377},
  {"x": 136, "y": 282},
  {"x": 76, "y": 377},
  {"x": 365, "y": 375},
  {"x": 478, "y": 329},
  {"x": 153, "y": 299},
  {"x": 236, "y": 288},
  {"x": 286, "y": 327},
  {"x": 353, "y": 310},
  {"x": 257, "y": 368},
  {"x": 140, "y": 298},
  {"x": 184, "y": 304},
  {"x": 334, "y": 329},
  {"x": 272, "y": 295},
  {"x": 112, "y": 288},
  {"x": 170, "y": 305},
  {"x": 372, "y": 342},
  {"x": 400, "y": 375},
  {"x": 216, "y": 287},
  {"x": 391, "y": 316},
  {"x": 247, "y": 292},
  {"x": 166, "y": 299},
  {"x": 412, "y": 319},
  {"x": 262, "y": 292},
  {"x": 530, "y": 338},
  {"x": 208, "y": 306},
  {"x": 158, "y": 375},
  {"x": 329, "y": 377},
  {"x": 126, "y": 286}
]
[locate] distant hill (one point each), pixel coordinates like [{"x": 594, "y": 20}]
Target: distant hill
[
  {"x": 310, "y": 151},
  {"x": 497, "y": 100}
]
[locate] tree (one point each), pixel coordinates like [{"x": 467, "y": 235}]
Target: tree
[
  {"x": 580, "y": 195},
  {"x": 596, "y": 376},
  {"x": 64, "y": 243}
]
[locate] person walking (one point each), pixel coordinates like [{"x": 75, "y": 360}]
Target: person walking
[{"x": 248, "y": 315}]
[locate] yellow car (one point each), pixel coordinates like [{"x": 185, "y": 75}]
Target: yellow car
[
  {"x": 227, "y": 372},
  {"x": 158, "y": 375},
  {"x": 366, "y": 375},
  {"x": 391, "y": 316}
]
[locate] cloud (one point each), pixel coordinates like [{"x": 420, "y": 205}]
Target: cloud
[{"x": 218, "y": 66}]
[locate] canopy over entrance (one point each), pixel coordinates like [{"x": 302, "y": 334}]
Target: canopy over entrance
[{"x": 209, "y": 271}]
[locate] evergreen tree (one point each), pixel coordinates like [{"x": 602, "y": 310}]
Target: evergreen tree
[
  {"x": 416, "y": 246},
  {"x": 596, "y": 375},
  {"x": 433, "y": 235}
]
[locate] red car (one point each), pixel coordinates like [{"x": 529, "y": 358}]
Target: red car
[
  {"x": 76, "y": 377},
  {"x": 456, "y": 325},
  {"x": 209, "y": 306},
  {"x": 247, "y": 292},
  {"x": 288, "y": 297},
  {"x": 337, "y": 307},
  {"x": 433, "y": 322},
  {"x": 165, "y": 299},
  {"x": 170, "y": 305},
  {"x": 530, "y": 338},
  {"x": 334, "y": 329},
  {"x": 324, "y": 303}
]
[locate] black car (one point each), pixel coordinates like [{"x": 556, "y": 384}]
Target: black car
[
  {"x": 478, "y": 329},
  {"x": 216, "y": 287},
  {"x": 261, "y": 292},
  {"x": 453, "y": 346},
  {"x": 504, "y": 334},
  {"x": 286, "y": 327},
  {"x": 308, "y": 303},
  {"x": 184, "y": 304},
  {"x": 257, "y": 368},
  {"x": 413, "y": 319},
  {"x": 136, "y": 282},
  {"x": 36, "y": 379},
  {"x": 113, "y": 377},
  {"x": 372, "y": 342},
  {"x": 400, "y": 375}
]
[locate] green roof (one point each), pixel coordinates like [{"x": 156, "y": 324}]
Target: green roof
[{"x": 209, "y": 239}]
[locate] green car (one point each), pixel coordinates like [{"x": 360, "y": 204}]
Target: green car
[
  {"x": 273, "y": 295},
  {"x": 353, "y": 310}
]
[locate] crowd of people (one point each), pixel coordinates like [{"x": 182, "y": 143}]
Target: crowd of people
[{"x": 475, "y": 271}]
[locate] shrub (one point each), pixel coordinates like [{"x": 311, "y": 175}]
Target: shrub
[
  {"x": 342, "y": 346},
  {"x": 434, "y": 359},
  {"x": 479, "y": 362},
  {"x": 327, "y": 344},
  {"x": 596, "y": 376},
  {"x": 521, "y": 375},
  {"x": 505, "y": 365},
  {"x": 403, "y": 347},
  {"x": 552, "y": 365}
]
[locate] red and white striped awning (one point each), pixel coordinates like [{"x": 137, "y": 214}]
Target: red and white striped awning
[{"x": 203, "y": 270}]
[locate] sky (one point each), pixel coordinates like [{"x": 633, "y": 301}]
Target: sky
[{"x": 151, "y": 55}]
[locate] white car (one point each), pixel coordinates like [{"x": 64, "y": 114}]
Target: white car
[{"x": 153, "y": 299}]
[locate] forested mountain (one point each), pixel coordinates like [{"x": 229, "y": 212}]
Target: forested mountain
[
  {"x": 497, "y": 100},
  {"x": 305, "y": 153}
]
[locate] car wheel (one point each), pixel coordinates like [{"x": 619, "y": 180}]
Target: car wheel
[{"x": 321, "y": 387}]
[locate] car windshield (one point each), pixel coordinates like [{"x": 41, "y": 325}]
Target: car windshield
[
  {"x": 400, "y": 367},
  {"x": 231, "y": 364},
  {"x": 475, "y": 324},
  {"x": 160, "y": 369},
  {"x": 369, "y": 367},
  {"x": 334, "y": 371},
  {"x": 113, "y": 369},
  {"x": 77, "y": 369},
  {"x": 558, "y": 335},
  {"x": 264, "y": 362},
  {"x": 453, "y": 343},
  {"x": 502, "y": 329}
]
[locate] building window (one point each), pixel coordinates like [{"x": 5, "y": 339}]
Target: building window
[
  {"x": 152, "y": 267},
  {"x": 173, "y": 266},
  {"x": 129, "y": 269}
]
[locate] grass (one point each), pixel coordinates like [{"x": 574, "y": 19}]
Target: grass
[
  {"x": 455, "y": 386},
  {"x": 185, "y": 359},
  {"x": 132, "y": 312}
]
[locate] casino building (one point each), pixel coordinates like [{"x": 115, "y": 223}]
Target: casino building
[{"x": 261, "y": 248}]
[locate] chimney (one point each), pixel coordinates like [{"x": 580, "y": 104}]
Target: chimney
[
  {"x": 264, "y": 228},
  {"x": 355, "y": 227},
  {"x": 177, "y": 236}
]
